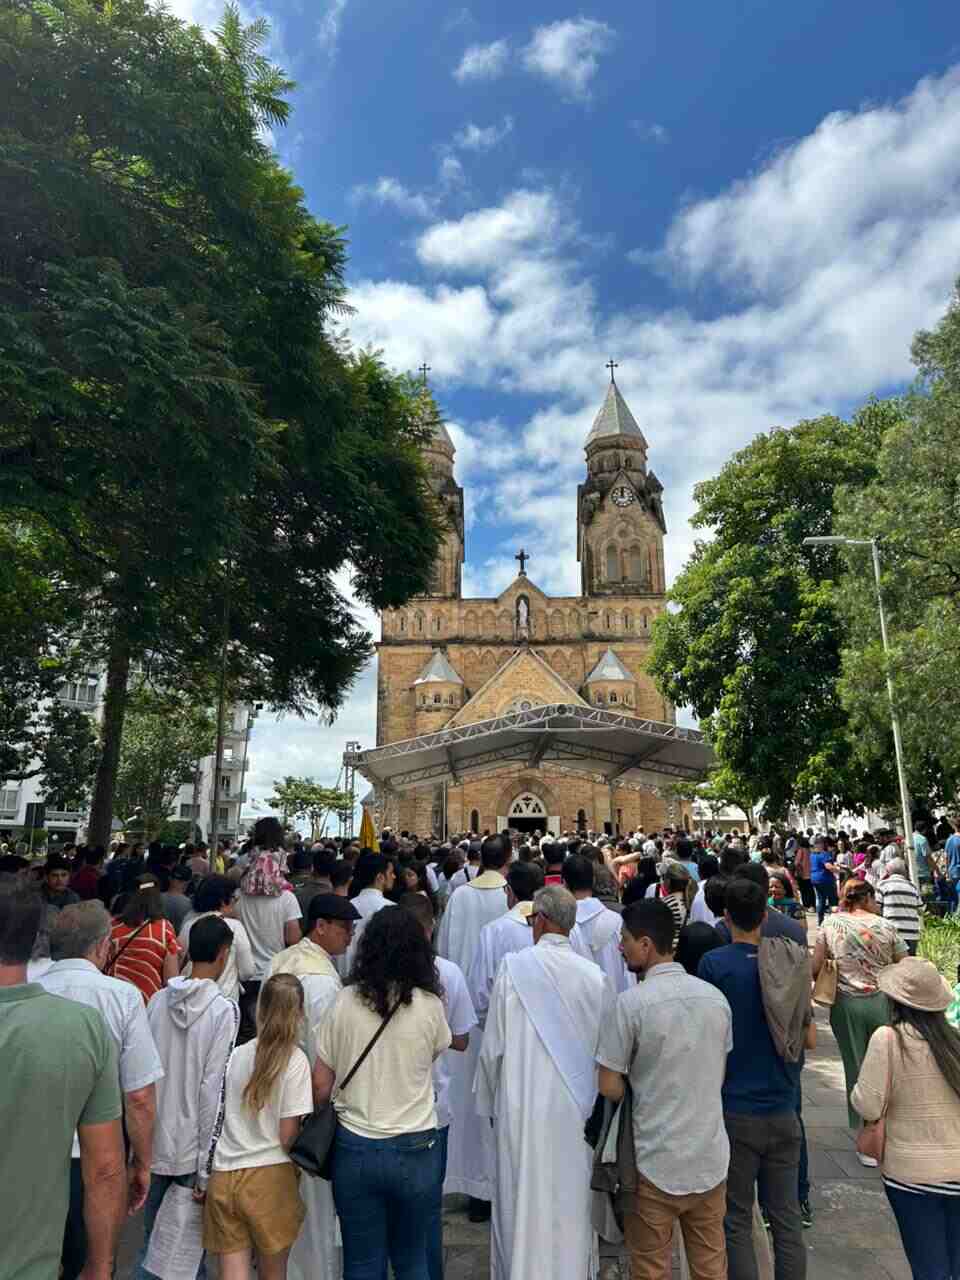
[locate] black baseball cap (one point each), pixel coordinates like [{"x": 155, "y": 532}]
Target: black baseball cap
[
  {"x": 330, "y": 906},
  {"x": 181, "y": 872}
]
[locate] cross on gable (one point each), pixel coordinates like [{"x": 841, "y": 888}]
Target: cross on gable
[
  {"x": 523, "y": 557},
  {"x": 612, "y": 366}
]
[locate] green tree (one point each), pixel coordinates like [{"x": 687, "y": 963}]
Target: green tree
[
  {"x": 913, "y": 508},
  {"x": 754, "y": 643},
  {"x": 195, "y": 449},
  {"x": 307, "y": 799},
  {"x": 69, "y": 760},
  {"x": 165, "y": 736}
]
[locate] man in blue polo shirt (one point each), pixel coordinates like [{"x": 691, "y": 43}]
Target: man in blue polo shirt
[{"x": 759, "y": 1099}]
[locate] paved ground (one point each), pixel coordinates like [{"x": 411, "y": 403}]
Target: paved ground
[{"x": 854, "y": 1234}]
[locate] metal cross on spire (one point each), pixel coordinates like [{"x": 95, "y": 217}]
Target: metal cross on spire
[
  {"x": 424, "y": 370},
  {"x": 523, "y": 557},
  {"x": 612, "y": 366}
]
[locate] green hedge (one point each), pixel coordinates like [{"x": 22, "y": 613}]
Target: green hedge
[{"x": 940, "y": 943}]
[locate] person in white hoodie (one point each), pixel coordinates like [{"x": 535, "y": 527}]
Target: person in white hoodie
[
  {"x": 194, "y": 1026},
  {"x": 599, "y": 927}
]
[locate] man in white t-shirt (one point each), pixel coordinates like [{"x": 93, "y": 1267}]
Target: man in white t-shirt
[{"x": 461, "y": 1019}]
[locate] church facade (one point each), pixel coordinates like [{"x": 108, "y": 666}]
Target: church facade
[{"x": 445, "y": 660}]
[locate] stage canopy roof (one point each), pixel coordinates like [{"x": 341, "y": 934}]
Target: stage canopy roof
[{"x": 616, "y": 748}]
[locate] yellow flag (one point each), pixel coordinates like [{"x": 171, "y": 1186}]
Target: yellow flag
[{"x": 368, "y": 839}]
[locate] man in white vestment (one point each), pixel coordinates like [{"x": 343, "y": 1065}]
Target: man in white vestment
[
  {"x": 503, "y": 936},
  {"x": 373, "y": 877},
  {"x": 599, "y": 927},
  {"x": 331, "y": 921},
  {"x": 536, "y": 1079},
  {"x": 470, "y": 1154}
]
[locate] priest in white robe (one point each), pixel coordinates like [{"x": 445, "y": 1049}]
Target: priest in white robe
[
  {"x": 331, "y": 921},
  {"x": 470, "y": 1151},
  {"x": 506, "y": 934},
  {"x": 536, "y": 1078},
  {"x": 598, "y": 926}
]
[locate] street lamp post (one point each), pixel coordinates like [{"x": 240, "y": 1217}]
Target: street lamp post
[{"x": 894, "y": 718}]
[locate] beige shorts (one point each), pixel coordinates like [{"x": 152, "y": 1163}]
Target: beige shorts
[{"x": 253, "y": 1209}]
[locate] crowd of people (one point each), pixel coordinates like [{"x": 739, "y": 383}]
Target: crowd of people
[{"x": 589, "y": 1039}]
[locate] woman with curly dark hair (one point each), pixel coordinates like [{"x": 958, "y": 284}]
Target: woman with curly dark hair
[{"x": 386, "y": 1162}]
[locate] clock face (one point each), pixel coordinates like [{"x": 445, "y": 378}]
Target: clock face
[{"x": 623, "y": 495}]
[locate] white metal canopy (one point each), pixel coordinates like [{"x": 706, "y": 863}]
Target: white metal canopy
[{"x": 617, "y": 748}]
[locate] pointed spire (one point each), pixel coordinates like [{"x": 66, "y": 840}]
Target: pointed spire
[
  {"x": 438, "y": 670},
  {"x": 609, "y": 668},
  {"x": 615, "y": 418}
]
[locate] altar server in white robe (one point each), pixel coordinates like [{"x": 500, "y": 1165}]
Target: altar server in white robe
[
  {"x": 470, "y": 1153},
  {"x": 598, "y": 926},
  {"x": 331, "y": 921},
  {"x": 536, "y": 1079},
  {"x": 503, "y": 936}
]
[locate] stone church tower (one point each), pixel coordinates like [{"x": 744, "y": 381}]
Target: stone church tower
[{"x": 446, "y": 661}]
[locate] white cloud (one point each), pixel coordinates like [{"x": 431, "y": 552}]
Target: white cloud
[
  {"x": 451, "y": 170},
  {"x": 568, "y": 53},
  {"x": 390, "y": 191},
  {"x": 482, "y": 239},
  {"x": 473, "y": 137},
  {"x": 483, "y": 61},
  {"x": 651, "y": 132},
  {"x": 328, "y": 28}
]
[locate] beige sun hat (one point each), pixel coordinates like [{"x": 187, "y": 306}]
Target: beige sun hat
[{"x": 916, "y": 983}]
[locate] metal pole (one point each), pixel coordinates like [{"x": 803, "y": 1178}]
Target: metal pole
[{"x": 895, "y": 721}]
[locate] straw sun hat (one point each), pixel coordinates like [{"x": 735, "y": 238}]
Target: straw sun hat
[{"x": 915, "y": 983}]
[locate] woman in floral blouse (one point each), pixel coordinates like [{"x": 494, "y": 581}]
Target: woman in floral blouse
[{"x": 862, "y": 943}]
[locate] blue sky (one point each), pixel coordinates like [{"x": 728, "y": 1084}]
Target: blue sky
[{"x": 750, "y": 206}]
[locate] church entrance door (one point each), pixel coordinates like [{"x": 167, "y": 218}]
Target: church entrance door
[{"x": 527, "y": 813}]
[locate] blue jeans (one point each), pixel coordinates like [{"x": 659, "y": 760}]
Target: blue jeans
[
  {"x": 435, "y": 1236},
  {"x": 930, "y": 1230},
  {"x": 385, "y": 1191},
  {"x": 158, "y": 1189},
  {"x": 826, "y": 897}
]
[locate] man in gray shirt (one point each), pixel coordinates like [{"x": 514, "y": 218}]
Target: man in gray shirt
[
  {"x": 81, "y": 948},
  {"x": 670, "y": 1038}
]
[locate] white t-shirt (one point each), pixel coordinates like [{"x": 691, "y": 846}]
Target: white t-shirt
[
  {"x": 251, "y": 1139},
  {"x": 392, "y": 1093},
  {"x": 461, "y": 1018},
  {"x": 264, "y": 919},
  {"x": 239, "y": 967}
]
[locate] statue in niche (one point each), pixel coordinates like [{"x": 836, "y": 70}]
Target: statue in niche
[{"x": 523, "y": 618}]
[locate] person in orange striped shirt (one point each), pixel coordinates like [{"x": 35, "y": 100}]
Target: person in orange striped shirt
[{"x": 146, "y": 951}]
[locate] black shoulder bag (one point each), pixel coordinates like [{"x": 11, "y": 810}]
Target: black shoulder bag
[{"x": 313, "y": 1149}]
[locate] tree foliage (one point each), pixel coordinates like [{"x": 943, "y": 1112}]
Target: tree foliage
[
  {"x": 307, "y": 799},
  {"x": 755, "y": 642},
  {"x": 165, "y": 736},
  {"x": 179, "y": 425},
  {"x": 913, "y": 508},
  {"x": 69, "y": 760}
]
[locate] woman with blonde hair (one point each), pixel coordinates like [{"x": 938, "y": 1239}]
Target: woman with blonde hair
[{"x": 252, "y": 1200}]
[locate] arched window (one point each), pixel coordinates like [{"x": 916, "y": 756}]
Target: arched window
[
  {"x": 403, "y": 622},
  {"x": 638, "y": 571},
  {"x": 474, "y": 821},
  {"x": 627, "y": 620},
  {"x": 419, "y": 623},
  {"x": 437, "y": 698},
  {"x": 436, "y": 623},
  {"x": 613, "y": 564},
  {"x": 599, "y": 697},
  {"x": 423, "y": 699},
  {"x": 613, "y": 696},
  {"x": 581, "y": 819}
]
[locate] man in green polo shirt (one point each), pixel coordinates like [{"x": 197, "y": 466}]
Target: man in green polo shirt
[{"x": 59, "y": 1075}]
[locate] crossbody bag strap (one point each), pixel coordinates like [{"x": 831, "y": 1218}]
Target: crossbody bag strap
[
  {"x": 136, "y": 933},
  {"x": 360, "y": 1061}
]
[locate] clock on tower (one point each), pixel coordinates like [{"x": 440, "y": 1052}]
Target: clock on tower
[{"x": 623, "y": 495}]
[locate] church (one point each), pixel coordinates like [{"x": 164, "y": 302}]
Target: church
[{"x": 445, "y": 660}]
